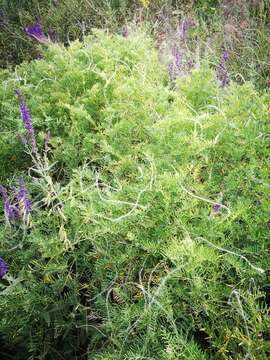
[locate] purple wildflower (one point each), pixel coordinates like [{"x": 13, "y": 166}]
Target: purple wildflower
[
  {"x": 225, "y": 56},
  {"x": 224, "y": 80},
  {"x": 222, "y": 73},
  {"x": 3, "y": 268},
  {"x": 23, "y": 199},
  {"x": 175, "y": 66},
  {"x": 23, "y": 205},
  {"x": 182, "y": 29},
  {"x": 216, "y": 208},
  {"x": 27, "y": 120},
  {"x": 171, "y": 71},
  {"x": 184, "y": 26},
  {"x": 35, "y": 31},
  {"x": 9, "y": 211},
  {"x": 178, "y": 60},
  {"x": 125, "y": 31},
  {"x": 16, "y": 210}
]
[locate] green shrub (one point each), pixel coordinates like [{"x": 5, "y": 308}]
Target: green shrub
[{"x": 123, "y": 255}]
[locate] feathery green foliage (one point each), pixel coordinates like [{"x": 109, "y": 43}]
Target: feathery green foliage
[{"x": 122, "y": 256}]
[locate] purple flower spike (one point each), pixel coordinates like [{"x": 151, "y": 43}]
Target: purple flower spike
[
  {"x": 225, "y": 80},
  {"x": 27, "y": 121},
  {"x": 171, "y": 71},
  {"x": 9, "y": 211},
  {"x": 23, "y": 199},
  {"x": 222, "y": 73},
  {"x": 216, "y": 208},
  {"x": 3, "y": 268},
  {"x": 3, "y": 192},
  {"x": 125, "y": 31},
  {"x": 182, "y": 29},
  {"x": 175, "y": 66},
  {"x": 178, "y": 60},
  {"x": 35, "y": 31},
  {"x": 225, "y": 56}
]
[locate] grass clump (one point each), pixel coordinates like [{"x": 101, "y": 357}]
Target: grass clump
[{"x": 147, "y": 237}]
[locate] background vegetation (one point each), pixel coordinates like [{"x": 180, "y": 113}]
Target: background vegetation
[
  {"x": 148, "y": 235},
  {"x": 242, "y": 26}
]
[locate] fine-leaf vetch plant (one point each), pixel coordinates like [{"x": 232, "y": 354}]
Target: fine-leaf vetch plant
[
  {"x": 40, "y": 167},
  {"x": 149, "y": 222}
]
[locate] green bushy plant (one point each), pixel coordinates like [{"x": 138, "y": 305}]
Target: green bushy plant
[{"x": 125, "y": 253}]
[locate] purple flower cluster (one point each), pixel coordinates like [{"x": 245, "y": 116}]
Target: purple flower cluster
[
  {"x": 216, "y": 208},
  {"x": 29, "y": 128},
  {"x": 177, "y": 58},
  {"x": 27, "y": 123},
  {"x": 179, "y": 50},
  {"x": 22, "y": 205},
  {"x": 182, "y": 29},
  {"x": 221, "y": 73},
  {"x": 35, "y": 31},
  {"x": 9, "y": 209},
  {"x": 175, "y": 66},
  {"x": 3, "y": 268}
]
